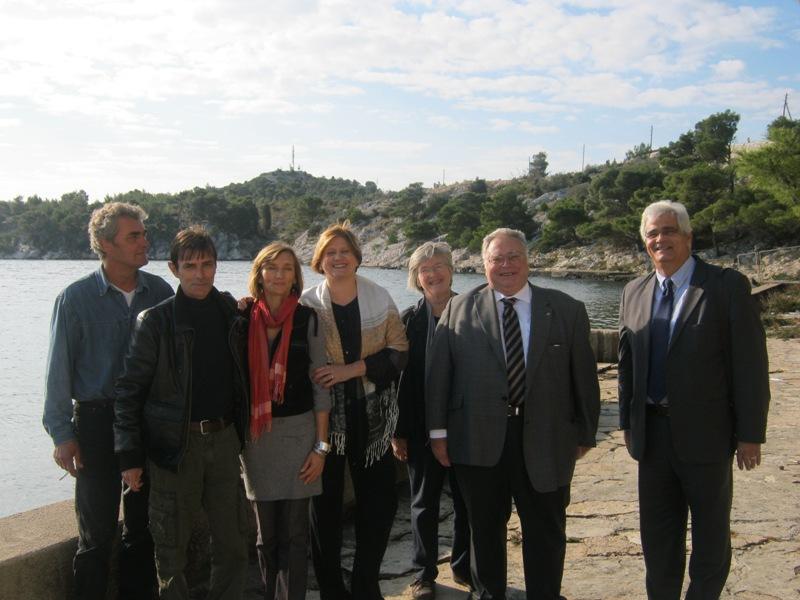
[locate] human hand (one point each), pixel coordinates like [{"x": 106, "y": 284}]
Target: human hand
[
  {"x": 243, "y": 302},
  {"x": 330, "y": 375},
  {"x": 581, "y": 452},
  {"x": 312, "y": 467},
  {"x": 400, "y": 448},
  {"x": 439, "y": 449},
  {"x": 627, "y": 434},
  {"x": 133, "y": 478},
  {"x": 748, "y": 455},
  {"x": 68, "y": 456}
]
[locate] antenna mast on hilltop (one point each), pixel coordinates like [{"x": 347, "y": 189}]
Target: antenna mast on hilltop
[
  {"x": 292, "y": 166},
  {"x": 786, "y": 110}
]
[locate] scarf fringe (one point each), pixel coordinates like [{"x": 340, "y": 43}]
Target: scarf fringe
[{"x": 377, "y": 448}]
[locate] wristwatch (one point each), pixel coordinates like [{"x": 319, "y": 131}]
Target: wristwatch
[{"x": 322, "y": 448}]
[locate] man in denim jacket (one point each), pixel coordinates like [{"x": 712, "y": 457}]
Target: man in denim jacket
[{"x": 89, "y": 333}]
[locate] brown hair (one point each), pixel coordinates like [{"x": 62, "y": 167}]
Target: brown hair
[
  {"x": 341, "y": 230},
  {"x": 267, "y": 254},
  {"x": 190, "y": 242}
]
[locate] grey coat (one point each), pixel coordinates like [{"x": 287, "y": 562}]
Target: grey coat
[{"x": 467, "y": 386}]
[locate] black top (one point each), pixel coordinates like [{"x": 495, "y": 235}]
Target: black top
[
  {"x": 298, "y": 395},
  {"x": 348, "y": 324},
  {"x": 212, "y": 364}
]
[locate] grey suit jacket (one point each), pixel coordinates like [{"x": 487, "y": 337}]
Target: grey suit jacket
[
  {"x": 467, "y": 387},
  {"x": 717, "y": 371}
]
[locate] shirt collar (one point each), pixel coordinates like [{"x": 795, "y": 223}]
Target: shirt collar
[
  {"x": 679, "y": 277},
  {"x": 524, "y": 295},
  {"x": 103, "y": 284}
]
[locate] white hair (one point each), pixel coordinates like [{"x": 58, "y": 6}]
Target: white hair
[
  {"x": 512, "y": 233},
  {"x": 656, "y": 209}
]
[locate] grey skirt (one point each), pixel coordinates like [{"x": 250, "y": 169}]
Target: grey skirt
[{"x": 272, "y": 463}]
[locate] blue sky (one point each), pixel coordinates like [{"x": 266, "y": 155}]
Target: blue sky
[{"x": 161, "y": 95}]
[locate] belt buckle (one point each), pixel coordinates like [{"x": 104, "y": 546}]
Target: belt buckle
[{"x": 203, "y": 426}]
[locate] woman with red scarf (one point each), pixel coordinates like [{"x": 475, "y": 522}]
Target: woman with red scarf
[{"x": 288, "y": 439}]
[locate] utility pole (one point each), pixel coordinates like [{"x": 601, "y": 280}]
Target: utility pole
[
  {"x": 292, "y": 157},
  {"x": 651, "y": 138},
  {"x": 583, "y": 157}
]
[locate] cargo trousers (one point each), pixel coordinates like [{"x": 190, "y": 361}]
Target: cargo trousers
[{"x": 207, "y": 481}]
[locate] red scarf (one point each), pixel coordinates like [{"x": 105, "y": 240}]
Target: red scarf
[{"x": 267, "y": 377}]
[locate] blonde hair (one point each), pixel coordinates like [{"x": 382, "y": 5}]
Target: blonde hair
[
  {"x": 267, "y": 254},
  {"x": 341, "y": 230},
  {"x": 104, "y": 222},
  {"x": 427, "y": 251}
]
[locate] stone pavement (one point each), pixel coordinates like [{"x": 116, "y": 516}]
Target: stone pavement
[{"x": 604, "y": 558}]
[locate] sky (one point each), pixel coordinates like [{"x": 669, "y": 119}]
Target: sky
[{"x": 167, "y": 95}]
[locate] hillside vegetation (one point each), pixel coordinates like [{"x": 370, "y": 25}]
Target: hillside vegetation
[{"x": 747, "y": 199}]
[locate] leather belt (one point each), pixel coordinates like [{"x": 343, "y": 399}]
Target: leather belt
[
  {"x": 514, "y": 411},
  {"x": 658, "y": 409},
  {"x": 208, "y": 425}
]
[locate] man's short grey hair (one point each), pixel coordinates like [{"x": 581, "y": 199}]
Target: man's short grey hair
[
  {"x": 427, "y": 251},
  {"x": 513, "y": 233},
  {"x": 104, "y": 223},
  {"x": 656, "y": 209}
]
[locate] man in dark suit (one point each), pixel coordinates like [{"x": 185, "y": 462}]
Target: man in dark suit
[
  {"x": 693, "y": 387},
  {"x": 513, "y": 402}
]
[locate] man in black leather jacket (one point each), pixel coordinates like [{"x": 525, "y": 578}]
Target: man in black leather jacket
[{"x": 182, "y": 402}]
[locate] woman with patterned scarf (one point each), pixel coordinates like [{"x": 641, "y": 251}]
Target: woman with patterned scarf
[
  {"x": 288, "y": 439},
  {"x": 366, "y": 351}
]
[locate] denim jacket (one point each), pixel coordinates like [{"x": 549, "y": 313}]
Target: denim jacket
[{"x": 89, "y": 335}]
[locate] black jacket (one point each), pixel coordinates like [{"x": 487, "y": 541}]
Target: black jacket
[
  {"x": 411, "y": 389},
  {"x": 154, "y": 395}
]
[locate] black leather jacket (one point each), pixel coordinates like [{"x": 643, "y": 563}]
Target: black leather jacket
[{"x": 153, "y": 394}]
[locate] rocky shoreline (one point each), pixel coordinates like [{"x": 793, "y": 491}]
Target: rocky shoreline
[{"x": 594, "y": 261}]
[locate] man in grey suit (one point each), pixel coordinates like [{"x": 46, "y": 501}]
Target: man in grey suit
[
  {"x": 513, "y": 402},
  {"x": 693, "y": 387}
]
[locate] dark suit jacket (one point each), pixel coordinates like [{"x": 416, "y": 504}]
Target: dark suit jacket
[
  {"x": 411, "y": 389},
  {"x": 717, "y": 372},
  {"x": 467, "y": 385}
]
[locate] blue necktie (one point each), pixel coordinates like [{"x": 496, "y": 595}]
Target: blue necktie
[{"x": 659, "y": 344}]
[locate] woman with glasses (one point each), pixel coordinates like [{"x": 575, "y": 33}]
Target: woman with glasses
[{"x": 430, "y": 271}]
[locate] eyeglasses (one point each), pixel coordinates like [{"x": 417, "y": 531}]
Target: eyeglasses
[
  {"x": 500, "y": 259},
  {"x": 438, "y": 268},
  {"x": 664, "y": 231}
]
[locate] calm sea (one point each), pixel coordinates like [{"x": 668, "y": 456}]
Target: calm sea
[{"x": 28, "y": 476}]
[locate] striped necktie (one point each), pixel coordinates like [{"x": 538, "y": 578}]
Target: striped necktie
[{"x": 515, "y": 354}]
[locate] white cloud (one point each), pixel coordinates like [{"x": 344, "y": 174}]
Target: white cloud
[
  {"x": 500, "y": 124},
  {"x": 9, "y": 122},
  {"x": 728, "y": 69},
  {"x": 537, "y": 129},
  {"x": 444, "y": 122}
]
